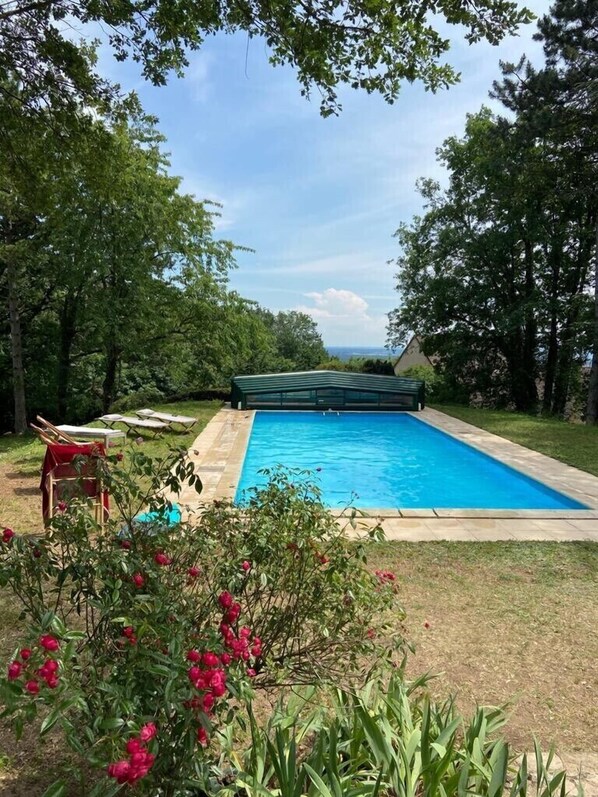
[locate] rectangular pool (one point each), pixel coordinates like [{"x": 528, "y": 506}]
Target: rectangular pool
[{"x": 373, "y": 460}]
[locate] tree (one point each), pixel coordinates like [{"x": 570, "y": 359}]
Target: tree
[
  {"x": 557, "y": 105},
  {"x": 368, "y": 46},
  {"x": 497, "y": 272},
  {"x": 297, "y": 340}
]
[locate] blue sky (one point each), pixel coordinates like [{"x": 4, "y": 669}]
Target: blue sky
[{"x": 317, "y": 199}]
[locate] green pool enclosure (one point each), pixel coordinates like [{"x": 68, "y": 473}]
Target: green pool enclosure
[{"x": 326, "y": 390}]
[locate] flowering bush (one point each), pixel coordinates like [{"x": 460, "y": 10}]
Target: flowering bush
[{"x": 141, "y": 640}]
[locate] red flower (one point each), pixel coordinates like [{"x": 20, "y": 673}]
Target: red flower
[
  {"x": 251, "y": 672},
  {"x": 138, "y": 580},
  {"x": 161, "y": 559},
  {"x": 371, "y": 633},
  {"x": 61, "y": 506},
  {"x": 202, "y": 736},
  {"x": 49, "y": 642},
  {"x": 14, "y": 670},
  {"x": 194, "y": 656},
  {"x": 7, "y": 535},
  {"x": 120, "y": 770},
  {"x": 52, "y": 681},
  {"x": 225, "y": 599},
  {"x": 125, "y": 545},
  {"x": 120, "y": 456},
  {"x": 148, "y": 731},
  {"x": 133, "y": 746},
  {"x": 32, "y": 687},
  {"x": 128, "y": 631},
  {"x": 193, "y": 572},
  {"x": 225, "y": 658},
  {"x": 246, "y": 566},
  {"x": 194, "y": 674},
  {"x": 25, "y": 654},
  {"x": 208, "y": 702},
  {"x": 210, "y": 659}
]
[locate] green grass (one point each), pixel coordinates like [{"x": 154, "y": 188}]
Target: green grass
[
  {"x": 21, "y": 459},
  {"x": 571, "y": 443}
]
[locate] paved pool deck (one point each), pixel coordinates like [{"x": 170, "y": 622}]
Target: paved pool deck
[{"x": 219, "y": 450}]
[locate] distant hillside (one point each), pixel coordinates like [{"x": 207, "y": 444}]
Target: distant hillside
[{"x": 371, "y": 352}]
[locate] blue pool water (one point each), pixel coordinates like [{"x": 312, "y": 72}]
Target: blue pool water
[{"x": 388, "y": 460}]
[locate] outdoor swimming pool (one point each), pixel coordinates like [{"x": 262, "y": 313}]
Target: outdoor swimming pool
[{"x": 391, "y": 460}]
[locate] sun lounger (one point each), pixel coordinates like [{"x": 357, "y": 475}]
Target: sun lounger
[
  {"x": 133, "y": 423},
  {"x": 88, "y": 432},
  {"x": 67, "y": 433},
  {"x": 184, "y": 420}
]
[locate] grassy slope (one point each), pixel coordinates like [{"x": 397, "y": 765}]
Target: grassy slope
[
  {"x": 21, "y": 459},
  {"x": 509, "y": 622},
  {"x": 572, "y": 443}
]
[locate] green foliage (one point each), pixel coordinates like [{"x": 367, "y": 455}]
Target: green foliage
[
  {"x": 146, "y": 624},
  {"x": 385, "y": 739},
  {"x": 371, "y": 47},
  {"x": 496, "y": 274}
]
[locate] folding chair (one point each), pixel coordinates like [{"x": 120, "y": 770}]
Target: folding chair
[{"x": 64, "y": 479}]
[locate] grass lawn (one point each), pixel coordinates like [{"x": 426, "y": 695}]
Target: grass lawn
[
  {"x": 509, "y": 622},
  {"x": 21, "y": 460},
  {"x": 572, "y": 443}
]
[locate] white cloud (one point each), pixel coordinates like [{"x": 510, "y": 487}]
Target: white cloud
[{"x": 344, "y": 317}]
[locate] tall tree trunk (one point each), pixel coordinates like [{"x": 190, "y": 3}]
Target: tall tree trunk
[
  {"x": 592, "y": 405},
  {"x": 553, "y": 334},
  {"x": 68, "y": 318},
  {"x": 16, "y": 346},
  {"x": 109, "y": 384}
]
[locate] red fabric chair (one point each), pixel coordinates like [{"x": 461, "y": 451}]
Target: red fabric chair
[{"x": 64, "y": 478}]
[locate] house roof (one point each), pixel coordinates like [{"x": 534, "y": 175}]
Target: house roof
[{"x": 309, "y": 380}]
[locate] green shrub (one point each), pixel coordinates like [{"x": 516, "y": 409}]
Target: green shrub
[
  {"x": 386, "y": 739},
  {"x": 141, "y": 639}
]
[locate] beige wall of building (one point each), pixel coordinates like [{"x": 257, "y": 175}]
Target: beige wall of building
[{"x": 411, "y": 355}]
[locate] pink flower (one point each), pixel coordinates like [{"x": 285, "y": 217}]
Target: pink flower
[
  {"x": 371, "y": 634},
  {"x": 193, "y": 572},
  {"x": 25, "y": 654},
  {"x": 194, "y": 656},
  {"x": 161, "y": 559},
  {"x": 120, "y": 770},
  {"x": 225, "y": 658},
  {"x": 14, "y": 670},
  {"x": 133, "y": 746},
  {"x": 148, "y": 731},
  {"x": 61, "y": 506},
  {"x": 208, "y": 702},
  {"x": 246, "y": 566},
  {"x": 232, "y": 615},
  {"x": 138, "y": 580},
  {"x": 49, "y": 642},
  {"x": 32, "y": 687},
  {"x": 7, "y": 535},
  {"x": 202, "y": 736},
  {"x": 251, "y": 672},
  {"x": 52, "y": 681},
  {"x": 194, "y": 673},
  {"x": 210, "y": 659},
  {"x": 225, "y": 599}
]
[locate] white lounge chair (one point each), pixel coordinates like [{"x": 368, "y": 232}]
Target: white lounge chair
[
  {"x": 187, "y": 421},
  {"x": 70, "y": 433},
  {"x": 133, "y": 423}
]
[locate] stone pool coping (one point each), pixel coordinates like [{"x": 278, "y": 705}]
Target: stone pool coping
[{"x": 219, "y": 451}]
